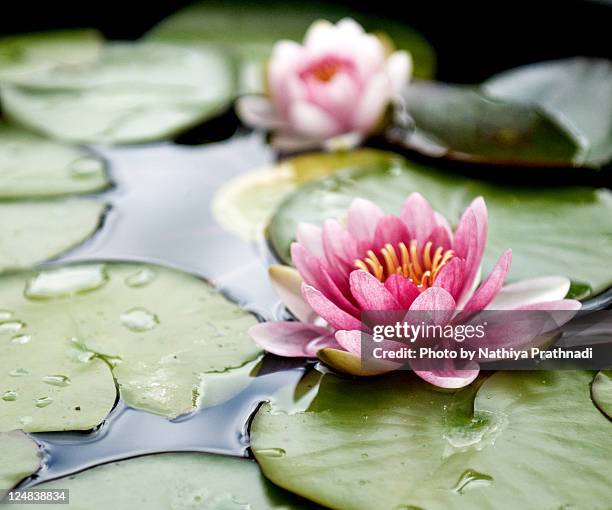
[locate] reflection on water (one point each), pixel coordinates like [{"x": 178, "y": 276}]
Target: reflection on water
[
  {"x": 160, "y": 213},
  {"x": 129, "y": 432}
]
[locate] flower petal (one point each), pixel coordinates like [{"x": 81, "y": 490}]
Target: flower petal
[
  {"x": 399, "y": 70},
  {"x": 438, "y": 304},
  {"x": 403, "y": 290},
  {"x": 370, "y": 293},
  {"x": 448, "y": 378},
  {"x": 392, "y": 230},
  {"x": 371, "y": 107},
  {"x": 310, "y": 120},
  {"x": 419, "y": 217},
  {"x": 257, "y": 111},
  {"x": 451, "y": 277},
  {"x": 336, "y": 317},
  {"x": 528, "y": 292},
  {"x": 292, "y": 339},
  {"x": 311, "y": 237},
  {"x": 313, "y": 273},
  {"x": 363, "y": 216},
  {"x": 349, "y": 340},
  {"x": 287, "y": 283},
  {"x": 492, "y": 285}
]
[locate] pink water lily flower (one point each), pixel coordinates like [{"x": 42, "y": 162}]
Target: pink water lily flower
[
  {"x": 413, "y": 261},
  {"x": 332, "y": 90}
]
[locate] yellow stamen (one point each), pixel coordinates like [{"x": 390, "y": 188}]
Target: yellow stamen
[{"x": 412, "y": 263}]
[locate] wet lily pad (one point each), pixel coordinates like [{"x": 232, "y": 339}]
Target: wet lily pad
[
  {"x": 552, "y": 231},
  {"x": 245, "y": 204},
  {"x": 162, "y": 339},
  {"x": 20, "y": 458},
  {"x": 395, "y": 442},
  {"x": 458, "y": 122},
  {"x": 602, "y": 391},
  {"x": 177, "y": 481},
  {"x": 36, "y": 231},
  {"x": 135, "y": 92},
  {"x": 21, "y": 55},
  {"x": 576, "y": 92},
  {"x": 249, "y": 31},
  {"x": 32, "y": 166}
]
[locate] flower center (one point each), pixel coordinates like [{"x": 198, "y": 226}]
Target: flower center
[
  {"x": 325, "y": 69},
  {"x": 421, "y": 267}
]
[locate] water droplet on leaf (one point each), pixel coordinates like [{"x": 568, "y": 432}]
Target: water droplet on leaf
[
  {"x": 11, "y": 327},
  {"x": 272, "y": 452},
  {"x": 57, "y": 380},
  {"x": 44, "y": 401},
  {"x": 9, "y": 396},
  {"x": 21, "y": 339},
  {"x": 86, "y": 167},
  {"x": 66, "y": 281},
  {"x": 472, "y": 479},
  {"x": 19, "y": 372},
  {"x": 139, "y": 319},
  {"x": 140, "y": 278}
]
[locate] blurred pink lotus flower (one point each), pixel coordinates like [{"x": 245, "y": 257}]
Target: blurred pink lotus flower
[
  {"x": 384, "y": 262},
  {"x": 332, "y": 91}
]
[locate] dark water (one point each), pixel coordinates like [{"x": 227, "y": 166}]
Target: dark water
[{"x": 160, "y": 213}]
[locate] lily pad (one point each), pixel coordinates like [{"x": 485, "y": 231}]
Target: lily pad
[
  {"x": 32, "y": 166},
  {"x": 459, "y": 123},
  {"x": 20, "y": 459},
  {"x": 552, "y": 231},
  {"x": 135, "y": 92},
  {"x": 249, "y": 31},
  {"x": 36, "y": 231},
  {"x": 602, "y": 391},
  {"x": 161, "y": 338},
  {"x": 395, "y": 442},
  {"x": 245, "y": 204},
  {"x": 21, "y": 55},
  {"x": 177, "y": 481},
  {"x": 576, "y": 92}
]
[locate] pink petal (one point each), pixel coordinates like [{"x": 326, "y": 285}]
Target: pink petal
[
  {"x": 315, "y": 274},
  {"x": 336, "y": 96},
  {"x": 338, "y": 245},
  {"x": 448, "y": 378},
  {"x": 439, "y": 304},
  {"x": 311, "y": 237},
  {"x": 492, "y": 285},
  {"x": 468, "y": 246},
  {"x": 287, "y": 283},
  {"x": 256, "y": 111},
  {"x": 311, "y": 121},
  {"x": 451, "y": 277},
  {"x": 350, "y": 340},
  {"x": 363, "y": 216},
  {"x": 399, "y": 69},
  {"x": 292, "y": 339},
  {"x": 374, "y": 100},
  {"x": 527, "y": 292},
  {"x": 440, "y": 236},
  {"x": 403, "y": 290},
  {"x": 336, "y": 317},
  {"x": 419, "y": 217},
  {"x": 370, "y": 293},
  {"x": 390, "y": 229}
]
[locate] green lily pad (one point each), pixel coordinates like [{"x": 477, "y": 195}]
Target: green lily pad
[
  {"x": 32, "y": 166},
  {"x": 552, "y": 231},
  {"x": 178, "y": 481},
  {"x": 249, "y": 31},
  {"x": 21, "y": 55},
  {"x": 459, "y": 123},
  {"x": 20, "y": 459},
  {"x": 397, "y": 443},
  {"x": 245, "y": 204},
  {"x": 602, "y": 391},
  {"x": 165, "y": 337},
  {"x": 576, "y": 92},
  {"x": 135, "y": 92},
  {"x": 37, "y": 231}
]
